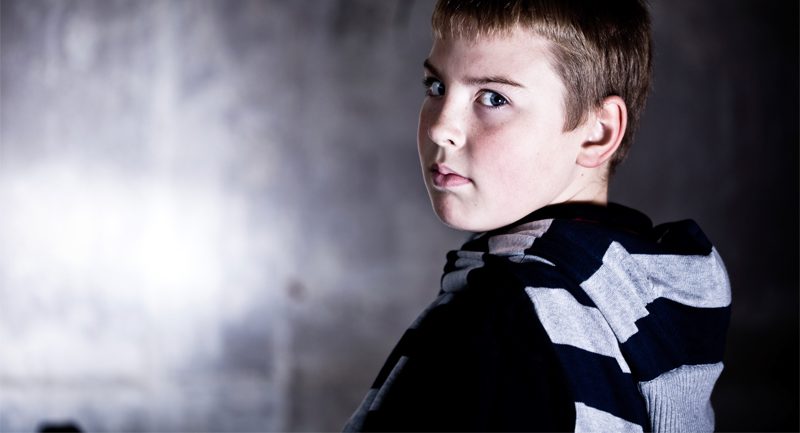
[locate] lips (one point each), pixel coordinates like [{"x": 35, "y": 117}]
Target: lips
[{"x": 444, "y": 177}]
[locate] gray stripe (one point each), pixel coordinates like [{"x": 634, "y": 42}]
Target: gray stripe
[
  {"x": 698, "y": 281},
  {"x": 518, "y": 239},
  {"x": 679, "y": 400},
  {"x": 533, "y": 228},
  {"x": 568, "y": 322},
  {"x": 591, "y": 420},
  {"x": 356, "y": 421},
  {"x": 621, "y": 288},
  {"x": 467, "y": 261},
  {"x": 387, "y": 384},
  {"x": 527, "y": 258}
]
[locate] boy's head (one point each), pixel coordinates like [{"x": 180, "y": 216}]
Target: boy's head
[{"x": 529, "y": 103}]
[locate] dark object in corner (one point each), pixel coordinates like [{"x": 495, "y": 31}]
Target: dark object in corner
[{"x": 59, "y": 427}]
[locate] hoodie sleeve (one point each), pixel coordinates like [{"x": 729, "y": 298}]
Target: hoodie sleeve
[
  {"x": 669, "y": 308},
  {"x": 645, "y": 318}
]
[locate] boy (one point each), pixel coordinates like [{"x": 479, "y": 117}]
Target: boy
[{"x": 567, "y": 312}]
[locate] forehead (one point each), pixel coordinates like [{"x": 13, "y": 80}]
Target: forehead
[{"x": 521, "y": 55}]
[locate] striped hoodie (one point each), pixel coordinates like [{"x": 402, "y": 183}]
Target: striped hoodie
[{"x": 575, "y": 318}]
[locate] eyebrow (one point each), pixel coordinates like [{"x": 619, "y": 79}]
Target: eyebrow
[{"x": 477, "y": 81}]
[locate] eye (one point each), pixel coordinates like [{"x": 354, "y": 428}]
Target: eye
[
  {"x": 492, "y": 99},
  {"x": 433, "y": 87}
]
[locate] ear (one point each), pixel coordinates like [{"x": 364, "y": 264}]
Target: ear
[{"x": 604, "y": 133}]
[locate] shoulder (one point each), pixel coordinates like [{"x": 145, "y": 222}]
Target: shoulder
[{"x": 478, "y": 359}]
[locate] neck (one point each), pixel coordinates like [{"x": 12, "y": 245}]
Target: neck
[{"x": 590, "y": 186}]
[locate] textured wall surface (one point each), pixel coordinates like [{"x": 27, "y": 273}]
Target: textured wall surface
[{"x": 212, "y": 219}]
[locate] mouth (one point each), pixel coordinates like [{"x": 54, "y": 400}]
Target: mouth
[{"x": 443, "y": 176}]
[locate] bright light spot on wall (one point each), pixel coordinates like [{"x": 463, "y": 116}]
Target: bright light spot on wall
[{"x": 104, "y": 255}]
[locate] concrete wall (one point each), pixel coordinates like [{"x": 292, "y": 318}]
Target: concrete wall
[{"x": 212, "y": 219}]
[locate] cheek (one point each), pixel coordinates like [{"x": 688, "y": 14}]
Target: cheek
[
  {"x": 422, "y": 128},
  {"x": 505, "y": 149},
  {"x": 518, "y": 159}
]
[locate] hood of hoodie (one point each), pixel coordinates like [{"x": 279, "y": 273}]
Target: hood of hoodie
[{"x": 661, "y": 294}]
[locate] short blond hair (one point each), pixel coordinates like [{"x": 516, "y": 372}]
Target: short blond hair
[{"x": 599, "y": 48}]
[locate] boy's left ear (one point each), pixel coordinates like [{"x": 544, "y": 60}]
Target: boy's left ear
[{"x": 605, "y": 132}]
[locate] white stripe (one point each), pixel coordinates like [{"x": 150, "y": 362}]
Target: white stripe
[
  {"x": 568, "y": 322},
  {"x": 591, "y": 420},
  {"x": 622, "y": 287}
]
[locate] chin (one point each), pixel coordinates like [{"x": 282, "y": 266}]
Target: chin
[
  {"x": 455, "y": 225},
  {"x": 458, "y": 214},
  {"x": 450, "y": 218},
  {"x": 460, "y": 221}
]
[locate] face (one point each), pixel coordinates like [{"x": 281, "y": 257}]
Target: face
[{"x": 490, "y": 138}]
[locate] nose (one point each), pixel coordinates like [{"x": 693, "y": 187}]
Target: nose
[{"x": 445, "y": 124}]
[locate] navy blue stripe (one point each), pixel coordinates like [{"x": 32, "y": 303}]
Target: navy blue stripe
[
  {"x": 404, "y": 347},
  {"x": 578, "y": 250},
  {"x": 530, "y": 274},
  {"x": 674, "y": 334},
  {"x": 612, "y": 215},
  {"x": 560, "y": 242},
  {"x": 682, "y": 237},
  {"x": 598, "y": 381}
]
